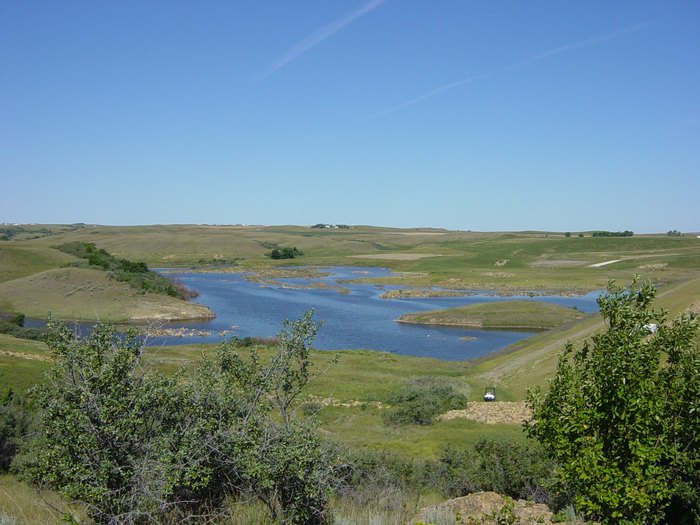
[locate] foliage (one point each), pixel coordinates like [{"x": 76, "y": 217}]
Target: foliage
[
  {"x": 621, "y": 415},
  {"x": 674, "y": 233},
  {"x": 136, "y": 446},
  {"x": 283, "y": 462},
  {"x": 418, "y": 401},
  {"x": 14, "y": 424},
  {"x": 625, "y": 233},
  {"x": 119, "y": 439},
  {"x": 284, "y": 253},
  {"x": 521, "y": 471},
  {"x": 136, "y": 274}
]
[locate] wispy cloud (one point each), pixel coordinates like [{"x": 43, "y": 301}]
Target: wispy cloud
[
  {"x": 593, "y": 41},
  {"x": 319, "y": 36}
]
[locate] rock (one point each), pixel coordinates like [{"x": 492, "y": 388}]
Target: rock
[{"x": 485, "y": 508}]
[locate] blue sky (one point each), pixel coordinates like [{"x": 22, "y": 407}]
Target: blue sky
[{"x": 489, "y": 115}]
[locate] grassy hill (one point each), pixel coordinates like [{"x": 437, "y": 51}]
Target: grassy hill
[
  {"x": 80, "y": 293},
  {"x": 428, "y": 257}
]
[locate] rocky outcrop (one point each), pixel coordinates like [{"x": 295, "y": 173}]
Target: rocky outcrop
[{"x": 486, "y": 508}]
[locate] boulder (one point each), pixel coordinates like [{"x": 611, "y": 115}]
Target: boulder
[{"x": 485, "y": 508}]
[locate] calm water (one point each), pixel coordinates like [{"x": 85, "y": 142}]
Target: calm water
[{"x": 358, "y": 319}]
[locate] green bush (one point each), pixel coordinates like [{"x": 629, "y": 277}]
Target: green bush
[
  {"x": 13, "y": 324},
  {"x": 284, "y": 253},
  {"x": 418, "y": 401},
  {"x": 136, "y": 446},
  {"x": 521, "y": 471},
  {"x": 621, "y": 415},
  {"x": 15, "y": 422}
]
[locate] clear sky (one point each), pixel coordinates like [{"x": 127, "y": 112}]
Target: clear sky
[{"x": 480, "y": 115}]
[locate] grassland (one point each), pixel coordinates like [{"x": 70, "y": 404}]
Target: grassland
[
  {"x": 525, "y": 315},
  {"x": 502, "y": 262},
  {"x": 32, "y": 280},
  {"x": 348, "y": 396}
]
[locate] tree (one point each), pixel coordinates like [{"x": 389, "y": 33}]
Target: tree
[
  {"x": 129, "y": 443},
  {"x": 282, "y": 460},
  {"x": 136, "y": 446},
  {"x": 621, "y": 415}
]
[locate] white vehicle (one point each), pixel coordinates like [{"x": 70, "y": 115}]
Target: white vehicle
[{"x": 490, "y": 394}]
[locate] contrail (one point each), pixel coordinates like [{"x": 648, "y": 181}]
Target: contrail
[
  {"x": 535, "y": 58},
  {"x": 319, "y": 36}
]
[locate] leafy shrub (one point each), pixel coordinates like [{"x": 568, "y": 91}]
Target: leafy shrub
[
  {"x": 514, "y": 469},
  {"x": 13, "y": 324},
  {"x": 418, "y": 401},
  {"x": 621, "y": 415},
  {"x": 136, "y": 446},
  {"x": 284, "y": 253},
  {"x": 14, "y": 425},
  {"x": 626, "y": 233}
]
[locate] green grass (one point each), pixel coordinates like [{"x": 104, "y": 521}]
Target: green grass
[
  {"x": 23, "y": 505},
  {"x": 506, "y": 314},
  {"x": 21, "y": 259},
  {"x": 22, "y": 362},
  {"x": 84, "y": 294}
]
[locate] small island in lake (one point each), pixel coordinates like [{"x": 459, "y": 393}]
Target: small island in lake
[{"x": 512, "y": 315}]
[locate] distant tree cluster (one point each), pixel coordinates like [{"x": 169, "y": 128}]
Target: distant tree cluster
[
  {"x": 674, "y": 233},
  {"x": 136, "y": 274},
  {"x": 284, "y": 253},
  {"x": 625, "y": 233},
  {"x": 7, "y": 233},
  {"x": 321, "y": 225}
]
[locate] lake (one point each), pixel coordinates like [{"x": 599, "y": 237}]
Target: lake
[{"x": 357, "y": 319}]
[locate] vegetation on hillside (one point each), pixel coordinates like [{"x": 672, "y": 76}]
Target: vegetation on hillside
[
  {"x": 13, "y": 324},
  {"x": 136, "y": 274}
]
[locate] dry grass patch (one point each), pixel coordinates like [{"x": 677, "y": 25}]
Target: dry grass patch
[{"x": 492, "y": 413}]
